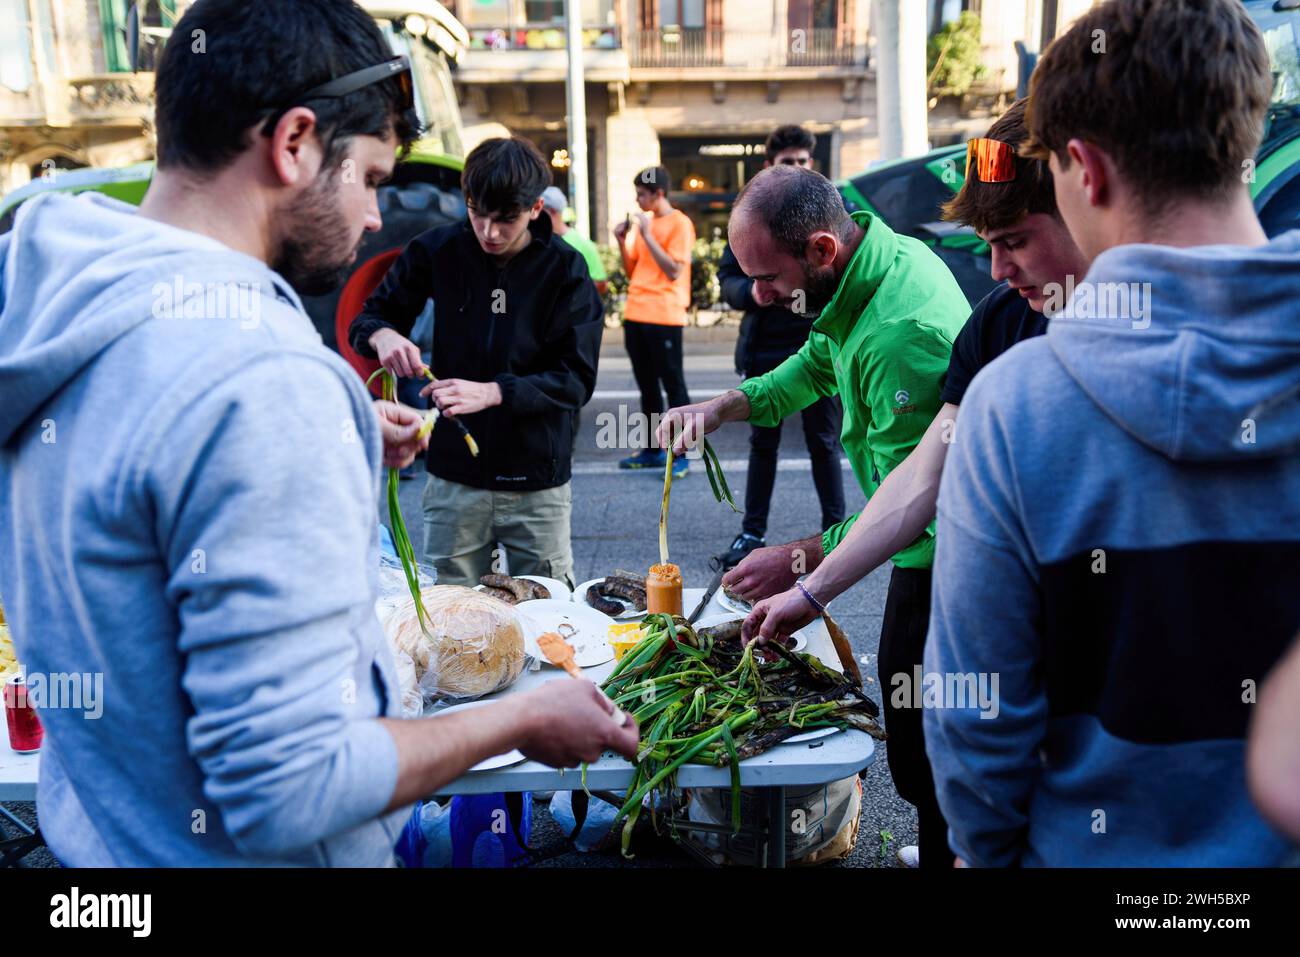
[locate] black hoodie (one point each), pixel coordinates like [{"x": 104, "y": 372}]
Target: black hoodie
[{"x": 533, "y": 326}]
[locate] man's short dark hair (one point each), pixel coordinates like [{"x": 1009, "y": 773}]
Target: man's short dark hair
[
  {"x": 792, "y": 203},
  {"x": 232, "y": 64},
  {"x": 991, "y": 206},
  {"x": 789, "y": 137},
  {"x": 654, "y": 178},
  {"x": 1175, "y": 91},
  {"x": 504, "y": 176}
]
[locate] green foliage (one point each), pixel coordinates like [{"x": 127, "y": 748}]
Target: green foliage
[
  {"x": 612, "y": 300},
  {"x": 953, "y": 56},
  {"x": 705, "y": 288}
]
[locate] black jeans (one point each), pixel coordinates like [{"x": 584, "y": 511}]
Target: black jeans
[
  {"x": 821, "y": 433},
  {"x": 656, "y": 354},
  {"x": 902, "y": 647}
]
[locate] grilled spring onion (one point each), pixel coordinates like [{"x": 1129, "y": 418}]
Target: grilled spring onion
[
  {"x": 397, "y": 524},
  {"x": 433, "y": 417},
  {"x": 713, "y": 703},
  {"x": 717, "y": 481}
]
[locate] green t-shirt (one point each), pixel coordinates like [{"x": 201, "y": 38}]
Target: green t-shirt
[
  {"x": 589, "y": 252},
  {"x": 882, "y": 344}
]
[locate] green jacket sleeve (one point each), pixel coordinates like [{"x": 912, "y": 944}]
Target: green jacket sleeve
[
  {"x": 836, "y": 533},
  {"x": 795, "y": 384},
  {"x": 904, "y": 377}
]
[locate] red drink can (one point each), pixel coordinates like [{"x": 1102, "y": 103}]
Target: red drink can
[{"x": 25, "y": 731}]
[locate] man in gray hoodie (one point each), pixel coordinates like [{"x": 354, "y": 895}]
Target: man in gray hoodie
[
  {"x": 188, "y": 477},
  {"x": 1118, "y": 540}
]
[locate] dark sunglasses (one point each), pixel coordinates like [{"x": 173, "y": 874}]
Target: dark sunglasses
[
  {"x": 992, "y": 160},
  {"x": 398, "y": 68}
]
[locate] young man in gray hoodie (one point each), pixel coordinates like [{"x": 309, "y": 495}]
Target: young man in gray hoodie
[
  {"x": 1119, "y": 517},
  {"x": 188, "y": 477}
]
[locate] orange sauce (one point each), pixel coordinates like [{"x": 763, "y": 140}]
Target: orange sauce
[{"x": 663, "y": 589}]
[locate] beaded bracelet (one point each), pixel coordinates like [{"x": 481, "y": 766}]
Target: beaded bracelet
[{"x": 811, "y": 600}]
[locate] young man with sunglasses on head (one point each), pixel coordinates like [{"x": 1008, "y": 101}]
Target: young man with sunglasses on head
[
  {"x": 1119, "y": 518},
  {"x": 188, "y": 487},
  {"x": 516, "y": 338},
  {"x": 769, "y": 335},
  {"x": 1009, "y": 202}
]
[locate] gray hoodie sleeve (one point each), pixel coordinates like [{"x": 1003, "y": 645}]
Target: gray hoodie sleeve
[
  {"x": 263, "y": 492},
  {"x": 984, "y": 617}
]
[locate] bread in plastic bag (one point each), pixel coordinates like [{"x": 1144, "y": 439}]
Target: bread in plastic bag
[{"x": 474, "y": 645}]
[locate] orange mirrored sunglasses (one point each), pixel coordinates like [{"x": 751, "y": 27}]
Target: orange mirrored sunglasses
[{"x": 992, "y": 160}]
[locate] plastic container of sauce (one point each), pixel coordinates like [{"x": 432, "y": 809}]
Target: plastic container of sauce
[{"x": 663, "y": 589}]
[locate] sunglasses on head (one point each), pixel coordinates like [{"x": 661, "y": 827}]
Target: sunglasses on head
[
  {"x": 398, "y": 68},
  {"x": 993, "y": 161}
]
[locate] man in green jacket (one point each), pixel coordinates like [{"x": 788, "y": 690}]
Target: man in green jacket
[{"x": 888, "y": 310}]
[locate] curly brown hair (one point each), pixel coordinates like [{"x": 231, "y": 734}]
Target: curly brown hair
[{"x": 1174, "y": 91}]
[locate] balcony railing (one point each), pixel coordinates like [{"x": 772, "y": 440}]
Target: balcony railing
[
  {"x": 820, "y": 46},
  {"x": 677, "y": 47}
]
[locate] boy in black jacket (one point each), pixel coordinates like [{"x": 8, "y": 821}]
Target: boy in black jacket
[{"x": 516, "y": 338}]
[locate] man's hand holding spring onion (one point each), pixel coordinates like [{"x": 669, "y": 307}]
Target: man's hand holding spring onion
[
  {"x": 398, "y": 354},
  {"x": 685, "y": 427},
  {"x": 455, "y": 397},
  {"x": 400, "y": 426}
]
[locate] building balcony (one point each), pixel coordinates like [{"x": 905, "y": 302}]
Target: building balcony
[
  {"x": 105, "y": 99},
  {"x": 536, "y": 53},
  {"x": 701, "y": 48},
  {"x": 110, "y": 99}
]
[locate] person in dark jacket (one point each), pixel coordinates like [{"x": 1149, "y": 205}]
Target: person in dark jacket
[
  {"x": 516, "y": 339},
  {"x": 768, "y": 336}
]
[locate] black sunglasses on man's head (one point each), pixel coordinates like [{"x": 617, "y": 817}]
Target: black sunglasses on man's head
[{"x": 399, "y": 68}]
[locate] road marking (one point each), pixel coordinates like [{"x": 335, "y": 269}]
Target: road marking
[{"x": 730, "y": 466}]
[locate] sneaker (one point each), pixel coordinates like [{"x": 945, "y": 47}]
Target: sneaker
[
  {"x": 742, "y": 545},
  {"x": 680, "y": 466},
  {"x": 645, "y": 459},
  {"x": 909, "y": 856}
]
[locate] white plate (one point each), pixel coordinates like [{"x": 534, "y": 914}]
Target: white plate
[
  {"x": 812, "y": 735},
  {"x": 800, "y": 639},
  {"x": 590, "y": 635},
  {"x": 559, "y": 591},
  {"x": 580, "y": 597},
  {"x": 726, "y": 601},
  {"x": 513, "y": 756}
]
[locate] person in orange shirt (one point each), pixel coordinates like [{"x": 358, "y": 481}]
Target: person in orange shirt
[{"x": 657, "y": 260}]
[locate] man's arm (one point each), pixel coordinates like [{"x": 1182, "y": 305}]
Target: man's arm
[
  {"x": 563, "y": 723},
  {"x": 893, "y": 518},
  {"x": 398, "y": 302},
  {"x": 676, "y": 257},
  {"x": 793, "y": 385},
  {"x": 984, "y": 618}
]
